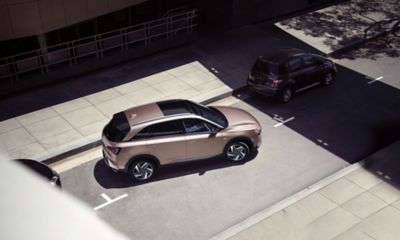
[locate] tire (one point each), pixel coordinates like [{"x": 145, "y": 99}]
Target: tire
[
  {"x": 285, "y": 95},
  {"x": 237, "y": 151},
  {"x": 327, "y": 79},
  {"x": 142, "y": 169}
]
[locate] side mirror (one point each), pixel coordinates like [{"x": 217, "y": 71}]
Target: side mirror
[{"x": 214, "y": 131}]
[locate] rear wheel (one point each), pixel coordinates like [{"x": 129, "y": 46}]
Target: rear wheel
[
  {"x": 286, "y": 95},
  {"x": 142, "y": 169},
  {"x": 237, "y": 151}
]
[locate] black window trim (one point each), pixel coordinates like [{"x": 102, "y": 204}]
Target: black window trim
[
  {"x": 205, "y": 124},
  {"x": 159, "y": 136}
]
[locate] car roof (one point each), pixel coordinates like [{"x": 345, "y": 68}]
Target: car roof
[
  {"x": 281, "y": 55},
  {"x": 157, "y": 110}
]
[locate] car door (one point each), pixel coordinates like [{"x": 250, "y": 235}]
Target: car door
[
  {"x": 313, "y": 69},
  {"x": 296, "y": 71},
  {"x": 202, "y": 139},
  {"x": 167, "y": 141}
]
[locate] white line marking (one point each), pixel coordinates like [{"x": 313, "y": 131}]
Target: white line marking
[
  {"x": 107, "y": 198},
  {"x": 283, "y": 122},
  {"x": 307, "y": 87},
  {"x": 109, "y": 202},
  {"x": 374, "y": 80}
]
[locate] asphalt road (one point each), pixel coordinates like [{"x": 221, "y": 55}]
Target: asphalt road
[
  {"x": 329, "y": 128},
  {"x": 199, "y": 200}
]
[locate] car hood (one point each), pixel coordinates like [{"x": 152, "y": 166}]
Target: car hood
[{"x": 237, "y": 116}]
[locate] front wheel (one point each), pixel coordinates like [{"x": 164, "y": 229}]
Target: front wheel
[
  {"x": 237, "y": 151},
  {"x": 142, "y": 169}
]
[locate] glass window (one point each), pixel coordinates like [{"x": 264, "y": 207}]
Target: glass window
[
  {"x": 195, "y": 126},
  {"x": 145, "y": 133},
  {"x": 210, "y": 113},
  {"x": 294, "y": 64},
  {"x": 161, "y": 129},
  {"x": 118, "y": 127},
  {"x": 309, "y": 60},
  {"x": 263, "y": 66}
]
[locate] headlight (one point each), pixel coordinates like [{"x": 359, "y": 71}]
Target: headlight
[{"x": 258, "y": 130}]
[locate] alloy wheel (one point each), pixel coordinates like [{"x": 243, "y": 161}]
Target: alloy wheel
[
  {"x": 142, "y": 170},
  {"x": 237, "y": 151}
]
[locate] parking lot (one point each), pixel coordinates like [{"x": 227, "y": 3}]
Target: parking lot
[
  {"x": 196, "y": 201},
  {"x": 319, "y": 132}
]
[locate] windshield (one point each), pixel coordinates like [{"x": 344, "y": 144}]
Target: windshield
[
  {"x": 210, "y": 113},
  {"x": 118, "y": 127}
]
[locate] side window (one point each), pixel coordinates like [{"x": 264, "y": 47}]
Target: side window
[
  {"x": 167, "y": 128},
  {"x": 195, "y": 126},
  {"x": 309, "y": 60},
  {"x": 161, "y": 129},
  {"x": 294, "y": 64},
  {"x": 145, "y": 133}
]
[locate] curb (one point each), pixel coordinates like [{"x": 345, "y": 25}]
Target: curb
[
  {"x": 356, "y": 44},
  {"x": 269, "y": 211}
]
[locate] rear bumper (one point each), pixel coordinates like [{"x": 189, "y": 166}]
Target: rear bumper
[
  {"x": 110, "y": 163},
  {"x": 263, "y": 90}
]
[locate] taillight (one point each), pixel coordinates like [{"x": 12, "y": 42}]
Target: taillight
[
  {"x": 114, "y": 150},
  {"x": 276, "y": 83}
]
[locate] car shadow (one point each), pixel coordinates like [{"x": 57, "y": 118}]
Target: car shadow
[
  {"x": 109, "y": 179},
  {"x": 352, "y": 118}
]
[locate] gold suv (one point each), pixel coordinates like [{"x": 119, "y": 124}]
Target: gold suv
[{"x": 141, "y": 139}]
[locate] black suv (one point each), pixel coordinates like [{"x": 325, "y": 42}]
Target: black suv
[{"x": 286, "y": 71}]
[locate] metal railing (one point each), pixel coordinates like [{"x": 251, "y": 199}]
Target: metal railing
[{"x": 98, "y": 45}]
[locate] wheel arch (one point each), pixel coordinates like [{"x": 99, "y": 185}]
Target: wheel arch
[
  {"x": 241, "y": 139},
  {"x": 147, "y": 156}
]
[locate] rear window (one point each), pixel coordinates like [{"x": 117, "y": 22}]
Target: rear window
[
  {"x": 266, "y": 67},
  {"x": 117, "y": 128}
]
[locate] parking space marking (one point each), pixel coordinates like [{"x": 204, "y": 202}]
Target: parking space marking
[
  {"x": 374, "y": 80},
  {"x": 109, "y": 200},
  {"x": 322, "y": 142},
  {"x": 281, "y": 121}
]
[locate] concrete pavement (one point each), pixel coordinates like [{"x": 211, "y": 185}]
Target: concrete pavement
[
  {"x": 358, "y": 202},
  {"x": 343, "y": 26},
  {"x": 57, "y": 129}
]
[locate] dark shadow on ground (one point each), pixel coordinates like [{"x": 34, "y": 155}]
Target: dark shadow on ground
[
  {"x": 385, "y": 164},
  {"x": 109, "y": 179},
  {"x": 351, "y": 118}
]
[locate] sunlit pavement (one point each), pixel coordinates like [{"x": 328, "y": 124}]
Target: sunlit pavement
[{"x": 360, "y": 202}]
